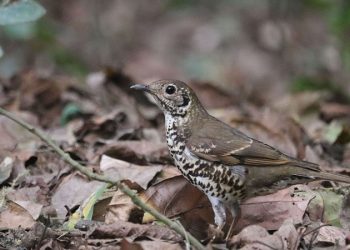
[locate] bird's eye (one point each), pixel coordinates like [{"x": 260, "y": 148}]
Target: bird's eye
[{"x": 170, "y": 89}]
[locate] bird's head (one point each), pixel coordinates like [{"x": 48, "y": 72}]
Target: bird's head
[{"x": 172, "y": 96}]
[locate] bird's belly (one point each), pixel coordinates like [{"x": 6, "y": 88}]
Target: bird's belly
[{"x": 212, "y": 178}]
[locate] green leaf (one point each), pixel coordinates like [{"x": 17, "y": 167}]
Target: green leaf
[
  {"x": 5, "y": 169},
  {"x": 332, "y": 206},
  {"x": 332, "y": 131},
  {"x": 88, "y": 206},
  {"x": 21, "y": 31},
  {"x": 20, "y": 12},
  {"x": 70, "y": 111},
  {"x": 305, "y": 83},
  {"x": 86, "y": 210}
]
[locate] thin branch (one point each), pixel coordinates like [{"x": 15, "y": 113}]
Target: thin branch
[{"x": 126, "y": 190}]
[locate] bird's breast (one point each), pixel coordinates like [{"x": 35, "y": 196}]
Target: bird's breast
[{"x": 212, "y": 178}]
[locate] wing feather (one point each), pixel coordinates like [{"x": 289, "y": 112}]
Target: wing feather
[{"x": 216, "y": 141}]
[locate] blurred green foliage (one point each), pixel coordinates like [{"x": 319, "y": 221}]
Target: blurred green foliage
[
  {"x": 305, "y": 83},
  {"x": 70, "y": 111},
  {"x": 337, "y": 13},
  {"x": 22, "y": 11},
  {"x": 45, "y": 34},
  {"x": 309, "y": 83},
  {"x": 13, "y": 13}
]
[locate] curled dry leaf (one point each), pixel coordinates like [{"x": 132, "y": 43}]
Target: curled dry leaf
[
  {"x": 122, "y": 170},
  {"x": 173, "y": 197}
]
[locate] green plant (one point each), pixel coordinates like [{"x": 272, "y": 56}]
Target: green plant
[{"x": 20, "y": 11}]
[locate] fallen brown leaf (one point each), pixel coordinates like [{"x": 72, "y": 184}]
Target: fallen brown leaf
[
  {"x": 173, "y": 197},
  {"x": 72, "y": 191},
  {"x": 15, "y": 140},
  {"x": 122, "y": 170},
  {"x": 13, "y": 215},
  {"x": 119, "y": 208},
  {"x": 28, "y": 199},
  {"x": 271, "y": 210},
  {"x": 138, "y": 152}
]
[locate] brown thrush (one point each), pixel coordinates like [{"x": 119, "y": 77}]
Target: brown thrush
[{"x": 227, "y": 165}]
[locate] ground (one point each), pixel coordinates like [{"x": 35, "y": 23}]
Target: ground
[{"x": 274, "y": 71}]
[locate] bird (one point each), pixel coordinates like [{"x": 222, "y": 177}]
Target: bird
[{"x": 224, "y": 163}]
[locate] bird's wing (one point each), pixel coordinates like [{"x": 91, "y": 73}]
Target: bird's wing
[{"x": 216, "y": 141}]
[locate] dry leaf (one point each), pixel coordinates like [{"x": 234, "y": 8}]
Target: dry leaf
[
  {"x": 28, "y": 199},
  {"x": 72, "y": 191},
  {"x": 119, "y": 208},
  {"x": 327, "y": 235},
  {"x": 271, "y": 210},
  {"x": 15, "y": 140},
  {"x": 138, "y": 152},
  {"x": 256, "y": 237},
  {"x": 13, "y": 216},
  {"x": 173, "y": 197},
  {"x": 122, "y": 170}
]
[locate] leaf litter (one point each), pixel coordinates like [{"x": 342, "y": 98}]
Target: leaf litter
[{"x": 101, "y": 126}]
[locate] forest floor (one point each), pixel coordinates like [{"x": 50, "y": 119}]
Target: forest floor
[{"x": 112, "y": 130}]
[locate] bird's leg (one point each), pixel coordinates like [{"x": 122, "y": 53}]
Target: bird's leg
[
  {"x": 219, "y": 212},
  {"x": 235, "y": 212}
]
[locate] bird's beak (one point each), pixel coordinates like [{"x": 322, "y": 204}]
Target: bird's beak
[{"x": 141, "y": 87}]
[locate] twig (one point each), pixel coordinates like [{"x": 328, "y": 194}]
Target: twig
[{"x": 77, "y": 166}]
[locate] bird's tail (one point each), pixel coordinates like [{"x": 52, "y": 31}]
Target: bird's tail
[
  {"x": 316, "y": 173},
  {"x": 331, "y": 177}
]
